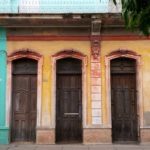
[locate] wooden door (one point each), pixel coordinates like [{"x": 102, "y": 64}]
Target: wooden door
[
  {"x": 69, "y": 101},
  {"x": 24, "y": 100},
  {"x": 123, "y": 100}
]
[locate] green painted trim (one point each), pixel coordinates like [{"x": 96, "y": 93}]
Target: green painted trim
[{"x": 4, "y": 131}]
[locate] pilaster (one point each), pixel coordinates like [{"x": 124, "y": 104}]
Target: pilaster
[
  {"x": 3, "y": 128},
  {"x": 96, "y": 73}
]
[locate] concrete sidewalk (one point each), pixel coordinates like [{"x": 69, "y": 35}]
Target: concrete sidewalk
[{"x": 74, "y": 147}]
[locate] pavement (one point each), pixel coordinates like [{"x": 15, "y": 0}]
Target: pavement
[{"x": 75, "y": 147}]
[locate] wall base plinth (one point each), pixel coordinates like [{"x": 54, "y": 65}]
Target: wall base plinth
[
  {"x": 145, "y": 135},
  {"x": 98, "y": 136},
  {"x": 4, "y": 135},
  {"x": 45, "y": 136}
]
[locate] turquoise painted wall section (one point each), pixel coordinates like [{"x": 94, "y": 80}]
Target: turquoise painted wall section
[
  {"x": 2, "y": 75},
  {"x": 3, "y": 69},
  {"x": 14, "y": 6},
  {"x": 54, "y": 6},
  {"x": 73, "y": 6},
  {"x": 4, "y": 135},
  {"x": 5, "y": 6},
  {"x": 9, "y": 6}
]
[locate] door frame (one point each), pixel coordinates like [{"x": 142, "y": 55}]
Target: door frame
[
  {"x": 83, "y": 58},
  {"x": 18, "y": 55},
  {"x": 127, "y": 54}
]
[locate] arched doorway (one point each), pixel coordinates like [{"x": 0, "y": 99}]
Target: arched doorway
[
  {"x": 24, "y": 100},
  {"x": 124, "y": 100},
  {"x": 69, "y": 100}
]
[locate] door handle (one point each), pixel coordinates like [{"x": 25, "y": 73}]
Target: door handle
[{"x": 71, "y": 114}]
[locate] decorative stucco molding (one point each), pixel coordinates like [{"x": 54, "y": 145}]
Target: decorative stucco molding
[{"x": 96, "y": 73}]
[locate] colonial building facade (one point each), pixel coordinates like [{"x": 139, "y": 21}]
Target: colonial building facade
[{"x": 71, "y": 73}]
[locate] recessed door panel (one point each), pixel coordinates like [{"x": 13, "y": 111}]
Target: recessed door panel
[
  {"x": 69, "y": 102},
  {"x": 123, "y": 100},
  {"x": 24, "y": 100}
]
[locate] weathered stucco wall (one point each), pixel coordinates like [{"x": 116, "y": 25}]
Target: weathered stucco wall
[
  {"x": 142, "y": 48},
  {"x": 48, "y": 48}
]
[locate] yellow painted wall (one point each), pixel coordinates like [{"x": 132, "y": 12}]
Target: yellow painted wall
[
  {"x": 48, "y": 48},
  {"x": 140, "y": 47}
]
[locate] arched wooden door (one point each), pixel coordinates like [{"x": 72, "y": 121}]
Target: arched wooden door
[
  {"x": 124, "y": 100},
  {"x": 69, "y": 101},
  {"x": 24, "y": 100}
]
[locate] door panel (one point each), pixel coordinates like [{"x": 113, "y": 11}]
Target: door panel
[
  {"x": 124, "y": 104},
  {"x": 24, "y": 99},
  {"x": 69, "y": 107}
]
